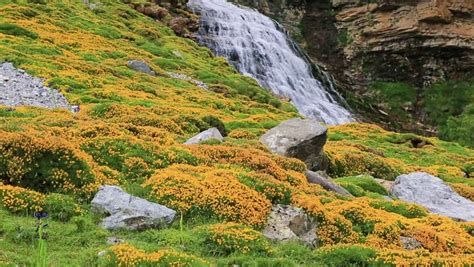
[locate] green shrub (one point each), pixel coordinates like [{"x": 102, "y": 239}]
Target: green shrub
[
  {"x": 12, "y": 29},
  {"x": 61, "y": 207},
  {"x": 215, "y": 122},
  {"x": 355, "y": 190},
  {"x": 404, "y": 209},
  {"x": 460, "y": 128},
  {"x": 367, "y": 183}
]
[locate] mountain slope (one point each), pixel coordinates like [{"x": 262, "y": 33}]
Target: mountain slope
[{"x": 130, "y": 129}]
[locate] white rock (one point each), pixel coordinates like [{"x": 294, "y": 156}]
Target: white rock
[
  {"x": 212, "y": 133},
  {"x": 431, "y": 192},
  {"x": 129, "y": 212},
  {"x": 287, "y": 223}
]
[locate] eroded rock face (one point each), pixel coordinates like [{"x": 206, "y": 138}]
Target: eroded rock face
[
  {"x": 212, "y": 133},
  {"x": 289, "y": 223},
  {"x": 128, "y": 212},
  {"x": 299, "y": 138},
  {"x": 432, "y": 193}
]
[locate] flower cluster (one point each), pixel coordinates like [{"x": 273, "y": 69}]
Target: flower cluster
[
  {"x": 190, "y": 189},
  {"x": 227, "y": 238},
  {"x": 125, "y": 255}
]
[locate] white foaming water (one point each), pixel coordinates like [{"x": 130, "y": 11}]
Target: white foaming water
[{"x": 257, "y": 47}]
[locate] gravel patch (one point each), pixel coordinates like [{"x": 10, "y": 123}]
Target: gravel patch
[{"x": 17, "y": 88}]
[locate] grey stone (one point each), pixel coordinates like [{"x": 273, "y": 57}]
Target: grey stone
[
  {"x": 212, "y": 133},
  {"x": 431, "y": 192},
  {"x": 287, "y": 223},
  {"x": 185, "y": 77},
  {"x": 410, "y": 243},
  {"x": 325, "y": 181},
  {"x": 129, "y": 212},
  {"x": 140, "y": 66},
  {"x": 299, "y": 138},
  {"x": 17, "y": 88},
  {"x": 114, "y": 240}
]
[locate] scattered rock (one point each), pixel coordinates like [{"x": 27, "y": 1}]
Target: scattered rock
[
  {"x": 298, "y": 138},
  {"x": 114, "y": 240},
  {"x": 212, "y": 133},
  {"x": 287, "y": 223},
  {"x": 409, "y": 243},
  {"x": 17, "y": 88},
  {"x": 188, "y": 79},
  {"x": 140, "y": 66},
  {"x": 323, "y": 180},
  {"x": 129, "y": 212},
  {"x": 75, "y": 109},
  {"x": 432, "y": 193}
]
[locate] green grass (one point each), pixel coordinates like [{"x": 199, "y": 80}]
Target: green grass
[
  {"x": 12, "y": 29},
  {"x": 366, "y": 183}
]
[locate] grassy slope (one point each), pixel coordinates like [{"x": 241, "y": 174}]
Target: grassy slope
[{"x": 131, "y": 125}]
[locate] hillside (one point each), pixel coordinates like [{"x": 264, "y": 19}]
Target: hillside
[{"x": 128, "y": 128}]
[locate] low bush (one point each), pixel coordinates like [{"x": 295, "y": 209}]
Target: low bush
[
  {"x": 367, "y": 183},
  {"x": 228, "y": 238}
]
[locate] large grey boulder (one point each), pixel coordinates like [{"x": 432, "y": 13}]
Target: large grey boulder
[
  {"x": 299, "y": 138},
  {"x": 287, "y": 223},
  {"x": 322, "y": 179},
  {"x": 128, "y": 212},
  {"x": 208, "y": 134},
  {"x": 140, "y": 66},
  {"x": 432, "y": 193}
]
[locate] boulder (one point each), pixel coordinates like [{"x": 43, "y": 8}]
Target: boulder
[
  {"x": 287, "y": 223},
  {"x": 208, "y": 134},
  {"x": 323, "y": 180},
  {"x": 140, "y": 66},
  {"x": 410, "y": 243},
  {"x": 432, "y": 193},
  {"x": 128, "y": 212},
  {"x": 299, "y": 138}
]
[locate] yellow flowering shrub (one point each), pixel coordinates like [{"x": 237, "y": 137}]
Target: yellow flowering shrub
[
  {"x": 464, "y": 190},
  {"x": 46, "y": 164},
  {"x": 125, "y": 255},
  {"x": 18, "y": 199},
  {"x": 190, "y": 189},
  {"x": 227, "y": 238},
  {"x": 422, "y": 257}
]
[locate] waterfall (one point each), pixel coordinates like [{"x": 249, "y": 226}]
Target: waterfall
[{"x": 258, "y": 47}]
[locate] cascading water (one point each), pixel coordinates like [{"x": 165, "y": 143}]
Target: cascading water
[{"x": 257, "y": 47}]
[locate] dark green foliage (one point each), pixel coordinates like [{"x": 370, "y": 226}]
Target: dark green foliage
[
  {"x": 12, "y": 29},
  {"x": 460, "y": 128},
  {"x": 397, "y": 97},
  {"x": 213, "y": 121},
  {"x": 280, "y": 193},
  {"x": 60, "y": 207}
]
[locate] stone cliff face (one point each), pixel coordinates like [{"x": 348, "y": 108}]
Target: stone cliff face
[{"x": 418, "y": 42}]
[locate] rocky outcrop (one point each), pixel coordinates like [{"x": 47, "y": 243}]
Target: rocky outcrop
[
  {"x": 409, "y": 243},
  {"x": 299, "y": 138},
  {"x": 432, "y": 193},
  {"x": 417, "y": 42},
  {"x": 127, "y": 212},
  {"x": 17, "y": 88},
  {"x": 140, "y": 66},
  {"x": 287, "y": 223},
  {"x": 322, "y": 179},
  {"x": 209, "y": 134}
]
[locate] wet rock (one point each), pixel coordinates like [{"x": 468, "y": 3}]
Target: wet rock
[
  {"x": 299, "y": 138},
  {"x": 129, "y": 212},
  {"x": 432, "y": 193},
  {"x": 288, "y": 223},
  {"x": 323, "y": 180},
  {"x": 212, "y": 133},
  {"x": 140, "y": 66}
]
